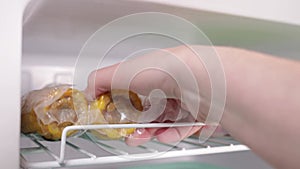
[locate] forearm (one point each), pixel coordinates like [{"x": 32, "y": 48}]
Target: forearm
[{"x": 262, "y": 104}]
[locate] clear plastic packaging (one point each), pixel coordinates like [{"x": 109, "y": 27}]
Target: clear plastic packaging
[
  {"x": 114, "y": 108},
  {"x": 49, "y": 110}
]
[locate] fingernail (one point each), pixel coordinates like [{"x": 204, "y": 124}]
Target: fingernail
[{"x": 140, "y": 131}]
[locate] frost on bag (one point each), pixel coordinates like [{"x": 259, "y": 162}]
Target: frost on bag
[
  {"x": 115, "y": 107},
  {"x": 49, "y": 110}
]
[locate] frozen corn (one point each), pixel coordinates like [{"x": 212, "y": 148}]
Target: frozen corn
[
  {"x": 115, "y": 107},
  {"x": 49, "y": 110}
]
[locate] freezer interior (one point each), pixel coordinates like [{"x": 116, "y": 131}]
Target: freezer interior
[{"x": 55, "y": 36}]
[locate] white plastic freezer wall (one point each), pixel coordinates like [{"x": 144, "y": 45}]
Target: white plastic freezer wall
[{"x": 40, "y": 46}]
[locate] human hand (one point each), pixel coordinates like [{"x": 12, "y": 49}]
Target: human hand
[{"x": 171, "y": 71}]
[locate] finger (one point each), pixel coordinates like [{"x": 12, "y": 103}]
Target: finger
[
  {"x": 146, "y": 73},
  {"x": 175, "y": 134},
  {"x": 165, "y": 135},
  {"x": 219, "y": 132},
  {"x": 99, "y": 81},
  {"x": 140, "y": 136}
]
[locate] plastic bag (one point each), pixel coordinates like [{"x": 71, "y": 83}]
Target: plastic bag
[
  {"x": 114, "y": 108},
  {"x": 49, "y": 110}
]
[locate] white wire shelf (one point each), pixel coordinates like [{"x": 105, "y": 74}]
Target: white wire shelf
[{"x": 88, "y": 150}]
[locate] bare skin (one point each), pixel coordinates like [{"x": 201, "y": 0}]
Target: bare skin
[{"x": 262, "y": 102}]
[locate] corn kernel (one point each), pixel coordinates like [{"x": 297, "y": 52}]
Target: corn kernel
[{"x": 103, "y": 101}]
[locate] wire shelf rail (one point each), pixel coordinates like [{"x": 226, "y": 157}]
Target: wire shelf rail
[{"x": 88, "y": 150}]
